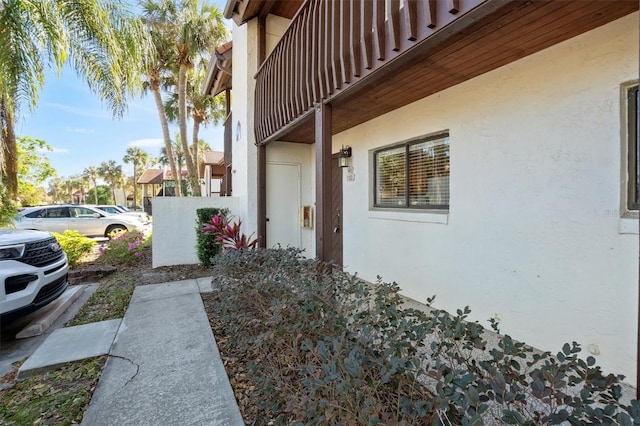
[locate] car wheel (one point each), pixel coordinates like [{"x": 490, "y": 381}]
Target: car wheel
[{"x": 115, "y": 229}]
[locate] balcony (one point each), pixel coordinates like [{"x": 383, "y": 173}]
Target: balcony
[{"x": 369, "y": 57}]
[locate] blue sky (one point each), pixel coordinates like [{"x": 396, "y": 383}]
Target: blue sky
[{"x": 83, "y": 132}]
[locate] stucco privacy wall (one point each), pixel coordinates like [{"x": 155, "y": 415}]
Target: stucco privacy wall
[
  {"x": 174, "y": 227},
  {"x": 533, "y": 229}
]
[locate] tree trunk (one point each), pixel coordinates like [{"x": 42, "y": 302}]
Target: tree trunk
[
  {"x": 182, "y": 118},
  {"x": 95, "y": 191},
  {"x": 135, "y": 189},
  {"x": 9, "y": 151},
  {"x": 167, "y": 138},
  {"x": 196, "y": 148}
]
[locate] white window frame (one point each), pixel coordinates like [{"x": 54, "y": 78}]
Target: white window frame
[{"x": 627, "y": 209}]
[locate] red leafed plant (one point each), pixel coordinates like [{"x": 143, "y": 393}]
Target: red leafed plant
[{"x": 228, "y": 234}]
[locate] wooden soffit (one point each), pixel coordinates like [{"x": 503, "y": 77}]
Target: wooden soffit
[
  {"x": 219, "y": 70},
  {"x": 242, "y": 11}
]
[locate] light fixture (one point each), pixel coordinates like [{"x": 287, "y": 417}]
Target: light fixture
[{"x": 343, "y": 156}]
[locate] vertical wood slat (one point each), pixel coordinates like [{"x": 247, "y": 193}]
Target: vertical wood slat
[
  {"x": 345, "y": 39},
  {"x": 453, "y": 6},
  {"x": 315, "y": 51},
  {"x": 295, "y": 59},
  {"x": 393, "y": 14},
  {"x": 379, "y": 28},
  {"x": 327, "y": 62},
  {"x": 320, "y": 55},
  {"x": 307, "y": 66},
  {"x": 430, "y": 12},
  {"x": 278, "y": 89},
  {"x": 259, "y": 109},
  {"x": 271, "y": 99},
  {"x": 411, "y": 19},
  {"x": 336, "y": 36},
  {"x": 354, "y": 37},
  {"x": 366, "y": 33},
  {"x": 288, "y": 78}
]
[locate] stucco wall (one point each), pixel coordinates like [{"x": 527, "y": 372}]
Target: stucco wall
[
  {"x": 245, "y": 66},
  {"x": 174, "y": 227},
  {"x": 244, "y": 177},
  {"x": 534, "y": 232}
]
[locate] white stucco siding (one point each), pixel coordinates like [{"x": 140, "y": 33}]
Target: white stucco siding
[
  {"x": 245, "y": 59},
  {"x": 533, "y": 229},
  {"x": 275, "y": 28}
]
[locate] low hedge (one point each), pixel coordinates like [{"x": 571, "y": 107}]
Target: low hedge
[{"x": 325, "y": 347}]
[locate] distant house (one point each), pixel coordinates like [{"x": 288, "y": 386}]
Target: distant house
[
  {"x": 489, "y": 151},
  {"x": 79, "y": 196},
  {"x": 212, "y": 174}
]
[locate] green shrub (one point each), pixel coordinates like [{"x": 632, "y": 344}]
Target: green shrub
[
  {"x": 74, "y": 245},
  {"x": 8, "y": 211},
  {"x": 206, "y": 245},
  {"x": 124, "y": 248},
  {"x": 328, "y": 348}
]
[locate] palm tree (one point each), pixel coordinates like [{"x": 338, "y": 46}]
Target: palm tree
[
  {"x": 138, "y": 158},
  {"x": 191, "y": 30},
  {"x": 56, "y": 189},
  {"x": 205, "y": 108},
  {"x": 92, "y": 174},
  {"x": 101, "y": 40},
  {"x": 68, "y": 185},
  {"x": 201, "y": 108},
  {"x": 157, "y": 63},
  {"x": 111, "y": 173}
]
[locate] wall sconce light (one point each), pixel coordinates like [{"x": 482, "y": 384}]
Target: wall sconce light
[{"x": 343, "y": 156}]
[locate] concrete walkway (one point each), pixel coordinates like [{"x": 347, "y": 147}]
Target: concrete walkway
[{"x": 164, "y": 367}]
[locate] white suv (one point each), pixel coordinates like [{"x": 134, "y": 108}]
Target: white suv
[{"x": 33, "y": 271}]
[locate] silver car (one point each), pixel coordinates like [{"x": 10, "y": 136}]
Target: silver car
[
  {"x": 141, "y": 216},
  {"x": 88, "y": 221}
]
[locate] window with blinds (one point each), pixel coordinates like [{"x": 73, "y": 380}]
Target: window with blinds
[
  {"x": 632, "y": 147},
  {"x": 413, "y": 175}
]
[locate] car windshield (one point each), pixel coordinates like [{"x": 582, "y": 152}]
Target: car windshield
[{"x": 123, "y": 208}]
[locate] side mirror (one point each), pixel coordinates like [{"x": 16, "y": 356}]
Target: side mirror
[{"x": 97, "y": 215}]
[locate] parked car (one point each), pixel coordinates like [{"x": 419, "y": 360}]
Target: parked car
[
  {"x": 33, "y": 271},
  {"x": 88, "y": 221},
  {"x": 141, "y": 216}
]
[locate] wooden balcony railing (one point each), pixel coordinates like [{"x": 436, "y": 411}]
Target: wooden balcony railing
[{"x": 332, "y": 44}]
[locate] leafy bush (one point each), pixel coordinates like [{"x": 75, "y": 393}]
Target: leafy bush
[
  {"x": 7, "y": 209},
  {"x": 229, "y": 235},
  {"x": 74, "y": 245},
  {"x": 206, "y": 245},
  {"x": 124, "y": 248},
  {"x": 326, "y": 347}
]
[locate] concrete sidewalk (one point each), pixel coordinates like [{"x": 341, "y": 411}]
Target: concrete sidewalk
[{"x": 164, "y": 366}]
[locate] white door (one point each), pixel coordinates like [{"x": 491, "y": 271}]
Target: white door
[{"x": 283, "y": 204}]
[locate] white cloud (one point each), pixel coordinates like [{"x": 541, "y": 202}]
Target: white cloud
[
  {"x": 59, "y": 150},
  {"x": 80, "y": 111},
  {"x": 79, "y": 130},
  {"x": 147, "y": 143}
]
